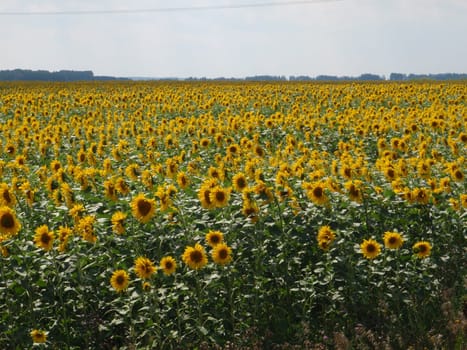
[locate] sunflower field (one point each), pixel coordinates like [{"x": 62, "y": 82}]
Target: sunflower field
[{"x": 233, "y": 215}]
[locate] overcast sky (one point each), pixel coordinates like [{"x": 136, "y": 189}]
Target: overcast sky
[{"x": 346, "y": 37}]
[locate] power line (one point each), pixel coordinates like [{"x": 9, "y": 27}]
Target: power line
[{"x": 161, "y": 9}]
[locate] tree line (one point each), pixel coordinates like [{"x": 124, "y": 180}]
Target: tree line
[{"x": 87, "y": 75}]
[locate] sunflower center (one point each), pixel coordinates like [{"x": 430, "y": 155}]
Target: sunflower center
[
  {"x": 7, "y": 220},
  {"x": 220, "y": 196},
  {"x": 392, "y": 240},
  {"x": 223, "y": 254},
  {"x": 422, "y": 248},
  {"x": 241, "y": 183},
  {"x": 249, "y": 211},
  {"x": 318, "y": 192},
  {"x": 6, "y": 196},
  {"x": 353, "y": 191},
  {"x": 144, "y": 207},
  {"x": 45, "y": 238},
  {"x": 215, "y": 239},
  {"x": 196, "y": 256},
  {"x": 347, "y": 172},
  {"x": 168, "y": 265},
  {"x": 120, "y": 280},
  {"x": 371, "y": 248}
]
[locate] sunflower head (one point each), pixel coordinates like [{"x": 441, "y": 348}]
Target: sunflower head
[
  {"x": 393, "y": 240},
  {"x": 119, "y": 280},
  {"x": 143, "y": 208},
  {"x": 422, "y": 249},
  {"x": 317, "y": 194},
  {"x": 144, "y": 267},
  {"x": 182, "y": 180},
  {"x": 370, "y": 248},
  {"x": 44, "y": 238},
  {"x": 213, "y": 238},
  {"x": 118, "y": 219},
  {"x": 219, "y": 196},
  {"x": 168, "y": 265},
  {"x": 222, "y": 254},
  {"x": 9, "y": 225},
  {"x": 239, "y": 182},
  {"x": 38, "y": 336},
  {"x": 195, "y": 257},
  {"x": 325, "y": 237},
  {"x": 204, "y": 196}
]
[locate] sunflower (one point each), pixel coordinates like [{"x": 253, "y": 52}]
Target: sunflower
[
  {"x": 144, "y": 267},
  {"x": 143, "y": 208},
  {"x": 250, "y": 210},
  {"x": 463, "y": 199},
  {"x": 81, "y": 156},
  {"x": 421, "y": 195},
  {"x": 38, "y": 336},
  {"x": 121, "y": 186},
  {"x": 7, "y": 197},
  {"x": 182, "y": 180},
  {"x": 216, "y": 173},
  {"x": 457, "y": 175},
  {"x": 120, "y": 280},
  {"x": 76, "y": 212},
  {"x": 133, "y": 171},
  {"x": 146, "y": 179},
  {"x": 221, "y": 254},
  {"x": 9, "y": 225},
  {"x": 55, "y": 165},
  {"x": 85, "y": 227},
  {"x": 219, "y": 196},
  {"x": 204, "y": 193},
  {"x": 393, "y": 240},
  {"x": 110, "y": 190},
  {"x": 213, "y": 238},
  {"x": 370, "y": 248},
  {"x": 233, "y": 149},
  {"x": 44, "y": 238},
  {"x": 325, "y": 237},
  {"x": 117, "y": 220},
  {"x": 354, "y": 190},
  {"x": 317, "y": 193},
  {"x": 239, "y": 182},
  {"x": 63, "y": 233},
  {"x": 195, "y": 257},
  {"x": 168, "y": 265},
  {"x": 263, "y": 191},
  {"x": 204, "y": 142},
  {"x": 422, "y": 249}
]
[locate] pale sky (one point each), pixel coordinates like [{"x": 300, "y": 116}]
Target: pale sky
[{"x": 342, "y": 37}]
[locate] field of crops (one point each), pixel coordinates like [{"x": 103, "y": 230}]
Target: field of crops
[{"x": 153, "y": 215}]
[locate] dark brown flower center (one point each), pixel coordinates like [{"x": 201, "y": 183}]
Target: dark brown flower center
[
  {"x": 223, "y": 254},
  {"x": 318, "y": 192},
  {"x": 45, "y": 238},
  {"x": 196, "y": 256},
  {"x": 220, "y": 196},
  {"x": 370, "y": 248},
  {"x": 144, "y": 207},
  {"x": 7, "y": 220}
]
